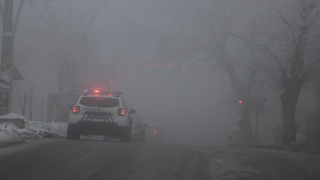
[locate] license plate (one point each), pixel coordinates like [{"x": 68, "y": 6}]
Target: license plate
[
  {"x": 99, "y": 120},
  {"x": 97, "y": 117}
]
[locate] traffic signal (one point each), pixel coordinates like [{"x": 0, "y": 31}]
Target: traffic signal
[{"x": 240, "y": 106}]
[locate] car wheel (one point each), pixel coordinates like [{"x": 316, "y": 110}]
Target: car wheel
[
  {"x": 125, "y": 134},
  {"x": 73, "y": 134}
]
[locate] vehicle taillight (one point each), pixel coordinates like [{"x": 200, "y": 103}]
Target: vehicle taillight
[
  {"x": 155, "y": 132},
  {"x": 121, "y": 112},
  {"x": 96, "y": 92},
  {"x": 76, "y": 109}
]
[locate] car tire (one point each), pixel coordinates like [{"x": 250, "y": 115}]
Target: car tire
[
  {"x": 125, "y": 134},
  {"x": 73, "y": 134}
]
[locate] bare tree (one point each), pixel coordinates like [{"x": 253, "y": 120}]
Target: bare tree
[
  {"x": 212, "y": 40},
  {"x": 294, "y": 52},
  {"x": 63, "y": 45}
]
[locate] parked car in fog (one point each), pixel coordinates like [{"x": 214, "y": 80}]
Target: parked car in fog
[
  {"x": 138, "y": 132},
  {"x": 154, "y": 133}
]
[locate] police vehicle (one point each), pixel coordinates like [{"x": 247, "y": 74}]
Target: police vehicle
[{"x": 100, "y": 113}]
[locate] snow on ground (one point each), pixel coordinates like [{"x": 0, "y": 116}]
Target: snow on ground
[
  {"x": 14, "y": 116},
  {"x": 42, "y": 129},
  {"x": 9, "y": 133}
]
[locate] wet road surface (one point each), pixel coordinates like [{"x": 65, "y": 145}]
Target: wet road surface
[{"x": 88, "y": 159}]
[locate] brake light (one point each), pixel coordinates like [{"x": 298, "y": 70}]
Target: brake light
[
  {"x": 155, "y": 132},
  {"x": 96, "y": 91},
  {"x": 76, "y": 109},
  {"x": 109, "y": 94},
  {"x": 121, "y": 111}
]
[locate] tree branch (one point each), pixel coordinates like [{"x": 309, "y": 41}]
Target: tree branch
[
  {"x": 287, "y": 23},
  {"x": 262, "y": 48}
]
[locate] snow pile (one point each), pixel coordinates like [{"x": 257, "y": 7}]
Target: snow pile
[
  {"x": 9, "y": 133},
  {"x": 34, "y": 129},
  {"x": 14, "y": 116}
]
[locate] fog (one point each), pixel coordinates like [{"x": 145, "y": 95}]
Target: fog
[{"x": 194, "y": 101}]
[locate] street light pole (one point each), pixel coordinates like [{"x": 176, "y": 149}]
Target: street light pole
[{"x": 6, "y": 57}]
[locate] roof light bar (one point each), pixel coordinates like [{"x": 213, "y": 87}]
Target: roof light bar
[{"x": 109, "y": 93}]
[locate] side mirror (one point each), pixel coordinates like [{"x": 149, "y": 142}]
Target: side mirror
[{"x": 132, "y": 111}]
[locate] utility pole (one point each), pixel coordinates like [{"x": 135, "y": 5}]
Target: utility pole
[
  {"x": 6, "y": 57},
  {"x": 318, "y": 91}
]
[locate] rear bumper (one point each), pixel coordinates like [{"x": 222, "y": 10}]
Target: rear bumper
[
  {"x": 86, "y": 128},
  {"x": 120, "y": 121}
]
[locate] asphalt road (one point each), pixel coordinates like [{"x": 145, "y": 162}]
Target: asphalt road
[{"x": 61, "y": 159}]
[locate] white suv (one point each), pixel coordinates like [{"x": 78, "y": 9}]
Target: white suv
[{"x": 100, "y": 113}]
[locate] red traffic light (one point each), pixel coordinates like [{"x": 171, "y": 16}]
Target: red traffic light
[{"x": 240, "y": 101}]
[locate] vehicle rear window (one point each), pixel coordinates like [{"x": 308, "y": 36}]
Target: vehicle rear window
[
  {"x": 99, "y": 102},
  {"x": 149, "y": 127}
]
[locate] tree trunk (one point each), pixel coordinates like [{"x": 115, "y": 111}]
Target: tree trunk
[
  {"x": 24, "y": 104},
  {"x": 244, "y": 122},
  {"x": 289, "y": 100}
]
